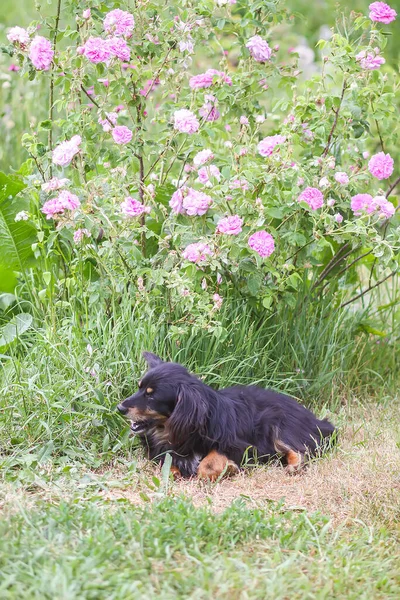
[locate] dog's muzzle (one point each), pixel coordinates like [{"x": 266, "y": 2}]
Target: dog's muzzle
[{"x": 122, "y": 409}]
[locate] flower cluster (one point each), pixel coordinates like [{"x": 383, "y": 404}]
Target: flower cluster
[
  {"x": 313, "y": 197},
  {"x": 131, "y": 207},
  {"x": 189, "y": 201},
  {"x": 268, "y": 144},
  {"x": 370, "y": 60},
  {"x": 185, "y": 121},
  {"x": 65, "y": 152},
  {"x": 365, "y": 203},
  {"x": 197, "y": 252},
  {"x": 57, "y": 206},
  {"x": 205, "y": 80}
]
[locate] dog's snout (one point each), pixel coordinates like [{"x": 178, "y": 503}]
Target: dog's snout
[{"x": 122, "y": 409}]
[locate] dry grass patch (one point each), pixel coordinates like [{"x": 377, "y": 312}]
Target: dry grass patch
[{"x": 360, "y": 478}]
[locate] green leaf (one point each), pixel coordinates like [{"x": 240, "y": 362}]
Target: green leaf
[
  {"x": 16, "y": 238},
  {"x": 254, "y": 283},
  {"x": 15, "y": 328}
]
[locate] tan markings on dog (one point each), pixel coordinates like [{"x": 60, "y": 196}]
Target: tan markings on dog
[
  {"x": 294, "y": 462},
  {"x": 149, "y": 390},
  {"x": 175, "y": 472},
  {"x": 142, "y": 415},
  {"x": 294, "y": 459},
  {"x": 214, "y": 464}
]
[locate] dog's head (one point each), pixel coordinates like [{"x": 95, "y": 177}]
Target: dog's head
[{"x": 168, "y": 395}]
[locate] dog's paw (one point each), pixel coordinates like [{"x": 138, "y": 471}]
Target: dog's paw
[
  {"x": 175, "y": 472},
  {"x": 295, "y": 462},
  {"x": 214, "y": 465}
]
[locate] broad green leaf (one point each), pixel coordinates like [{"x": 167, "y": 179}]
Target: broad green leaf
[
  {"x": 16, "y": 238},
  {"x": 15, "y": 328}
]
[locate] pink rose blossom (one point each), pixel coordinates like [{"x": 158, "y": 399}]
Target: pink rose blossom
[
  {"x": 362, "y": 203},
  {"x": 209, "y": 112},
  {"x": 105, "y": 123},
  {"x": 239, "y": 183},
  {"x": 52, "y": 207},
  {"x": 86, "y": 14},
  {"x": 324, "y": 182},
  {"x": 330, "y": 202},
  {"x": 68, "y": 200},
  {"x": 65, "y": 152},
  {"x": 131, "y": 207},
  {"x": 383, "y": 207},
  {"x": 119, "y": 22},
  {"x": 119, "y": 48},
  {"x": 41, "y": 53},
  {"x": 313, "y": 197},
  {"x": 185, "y": 121},
  {"x": 338, "y": 218},
  {"x": 370, "y": 60},
  {"x": 176, "y": 201},
  {"x": 381, "y": 165},
  {"x": 380, "y": 12},
  {"x": 365, "y": 154},
  {"x": 202, "y": 157},
  {"x": 244, "y": 120},
  {"x": 121, "y": 134},
  {"x": 205, "y": 80},
  {"x": 342, "y": 177},
  {"x": 97, "y": 50},
  {"x": 206, "y": 173},
  {"x": 197, "y": 252},
  {"x": 196, "y": 203},
  {"x": 259, "y": 49},
  {"x": 262, "y": 242},
  {"x": 13, "y": 67},
  {"x": 54, "y": 184},
  {"x": 231, "y": 225},
  {"x": 267, "y": 145},
  {"x": 18, "y": 35},
  {"x": 217, "y": 301},
  {"x": 105, "y": 82},
  {"x": 79, "y": 234},
  {"x": 64, "y": 201}
]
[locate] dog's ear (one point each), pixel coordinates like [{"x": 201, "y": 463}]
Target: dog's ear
[
  {"x": 152, "y": 359},
  {"x": 189, "y": 415}
]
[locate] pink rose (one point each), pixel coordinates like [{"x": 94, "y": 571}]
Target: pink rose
[
  {"x": 121, "y": 134},
  {"x": 185, "y": 121},
  {"x": 41, "y": 53},
  {"x": 380, "y": 12},
  {"x": 381, "y": 165},
  {"x": 131, "y": 207},
  {"x": 313, "y": 197},
  {"x": 119, "y": 22},
  {"x": 197, "y": 252},
  {"x": 262, "y": 242},
  {"x": 231, "y": 225},
  {"x": 65, "y": 152},
  {"x": 267, "y": 145},
  {"x": 259, "y": 49}
]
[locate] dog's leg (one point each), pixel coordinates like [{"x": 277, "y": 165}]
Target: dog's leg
[
  {"x": 295, "y": 460},
  {"x": 214, "y": 464}
]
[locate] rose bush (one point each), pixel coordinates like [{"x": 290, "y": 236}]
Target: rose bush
[{"x": 191, "y": 147}]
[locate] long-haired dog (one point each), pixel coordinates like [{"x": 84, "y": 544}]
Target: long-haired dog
[{"x": 208, "y": 432}]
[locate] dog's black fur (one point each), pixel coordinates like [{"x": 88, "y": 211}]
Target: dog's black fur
[{"x": 175, "y": 412}]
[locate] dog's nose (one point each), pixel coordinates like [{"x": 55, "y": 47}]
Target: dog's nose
[{"x": 122, "y": 409}]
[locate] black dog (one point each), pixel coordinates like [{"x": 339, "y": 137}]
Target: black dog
[{"x": 208, "y": 432}]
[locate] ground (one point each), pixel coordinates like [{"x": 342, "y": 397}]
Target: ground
[{"x": 126, "y": 531}]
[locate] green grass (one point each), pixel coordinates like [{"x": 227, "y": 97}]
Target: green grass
[{"x": 94, "y": 550}]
